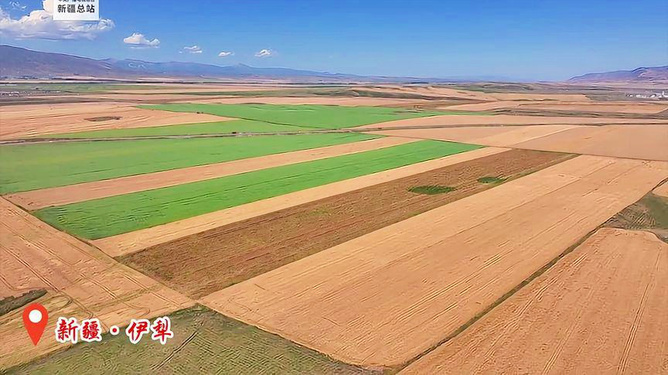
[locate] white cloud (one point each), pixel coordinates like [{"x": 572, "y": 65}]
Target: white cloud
[
  {"x": 193, "y": 49},
  {"x": 265, "y": 53},
  {"x": 39, "y": 24},
  {"x": 137, "y": 40},
  {"x": 225, "y": 54}
]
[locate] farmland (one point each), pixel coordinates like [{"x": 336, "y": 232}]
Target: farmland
[
  {"x": 205, "y": 342},
  {"x": 41, "y": 198},
  {"x": 124, "y": 213},
  {"x": 608, "y": 291},
  {"x": 224, "y": 127},
  {"x": 258, "y": 245},
  {"x": 29, "y": 167},
  {"x": 346, "y": 229},
  {"x": 486, "y": 244},
  {"x": 307, "y": 116}
]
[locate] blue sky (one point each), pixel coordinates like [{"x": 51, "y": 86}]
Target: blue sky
[{"x": 540, "y": 40}]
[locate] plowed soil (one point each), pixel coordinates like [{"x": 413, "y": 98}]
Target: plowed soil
[
  {"x": 388, "y": 296},
  {"x": 206, "y": 262},
  {"x": 599, "y": 310},
  {"x": 81, "y": 282}
]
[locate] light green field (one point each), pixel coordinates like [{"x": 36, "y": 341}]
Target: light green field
[
  {"x": 308, "y": 116},
  {"x": 204, "y": 342},
  {"x": 222, "y": 127},
  {"x": 125, "y": 213},
  {"x": 29, "y": 167}
]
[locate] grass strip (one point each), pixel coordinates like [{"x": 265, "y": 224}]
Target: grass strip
[
  {"x": 125, "y": 213},
  {"x": 221, "y": 127},
  {"x": 308, "y": 116},
  {"x": 37, "y": 166}
]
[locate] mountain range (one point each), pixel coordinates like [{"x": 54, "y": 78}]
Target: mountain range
[
  {"x": 643, "y": 74},
  {"x": 18, "y": 62}
]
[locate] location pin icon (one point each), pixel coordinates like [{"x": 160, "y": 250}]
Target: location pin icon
[{"x": 35, "y": 318}]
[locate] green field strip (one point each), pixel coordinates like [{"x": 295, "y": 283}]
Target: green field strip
[
  {"x": 221, "y": 127},
  {"x": 126, "y": 213},
  {"x": 37, "y": 166},
  {"x": 204, "y": 342},
  {"x": 308, "y": 116}
]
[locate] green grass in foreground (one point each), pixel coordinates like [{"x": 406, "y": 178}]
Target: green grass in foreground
[
  {"x": 125, "y": 213},
  {"x": 204, "y": 342},
  {"x": 308, "y": 116},
  {"x": 30, "y": 167},
  {"x": 221, "y": 127}
]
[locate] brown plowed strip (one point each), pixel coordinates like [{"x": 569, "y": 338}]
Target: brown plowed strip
[
  {"x": 383, "y": 298},
  {"x": 43, "y": 119},
  {"x": 36, "y": 199},
  {"x": 134, "y": 241},
  {"x": 601, "y": 309},
  {"x": 82, "y": 282},
  {"x": 209, "y": 261}
]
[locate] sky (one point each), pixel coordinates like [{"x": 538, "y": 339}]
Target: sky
[{"x": 522, "y": 40}]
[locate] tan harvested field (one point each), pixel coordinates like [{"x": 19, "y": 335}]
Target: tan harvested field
[
  {"x": 36, "y": 199},
  {"x": 80, "y": 280},
  {"x": 611, "y": 107},
  {"x": 501, "y": 120},
  {"x": 601, "y": 309},
  {"x": 444, "y": 92},
  {"x": 601, "y": 107},
  {"x": 555, "y": 97},
  {"x": 134, "y": 241},
  {"x": 384, "y": 298},
  {"x": 478, "y": 95},
  {"x": 662, "y": 190},
  {"x": 627, "y": 141},
  {"x": 200, "y": 264},
  {"x": 485, "y": 106},
  {"x": 44, "y": 119}
]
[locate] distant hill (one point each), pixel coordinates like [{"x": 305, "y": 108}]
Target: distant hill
[
  {"x": 650, "y": 74},
  {"x": 18, "y": 62},
  {"x": 23, "y": 63}
]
